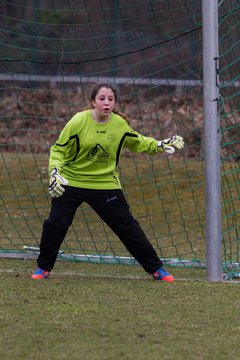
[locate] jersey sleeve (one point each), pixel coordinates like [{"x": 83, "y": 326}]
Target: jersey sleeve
[
  {"x": 67, "y": 145},
  {"x": 138, "y": 143}
]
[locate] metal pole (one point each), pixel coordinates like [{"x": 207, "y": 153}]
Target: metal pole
[{"x": 212, "y": 139}]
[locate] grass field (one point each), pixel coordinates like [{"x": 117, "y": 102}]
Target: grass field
[
  {"x": 95, "y": 312},
  {"x": 101, "y": 312}
]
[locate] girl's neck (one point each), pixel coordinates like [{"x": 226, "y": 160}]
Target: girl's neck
[{"x": 99, "y": 119}]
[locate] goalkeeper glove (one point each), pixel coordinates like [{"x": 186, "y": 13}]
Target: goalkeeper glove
[
  {"x": 171, "y": 144},
  {"x": 56, "y": 180}
]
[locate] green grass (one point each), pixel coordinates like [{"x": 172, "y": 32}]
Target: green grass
[{"x": 95, "y": 312}]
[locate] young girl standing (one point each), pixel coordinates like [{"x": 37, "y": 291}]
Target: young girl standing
[{"x": 83, "y": 168}]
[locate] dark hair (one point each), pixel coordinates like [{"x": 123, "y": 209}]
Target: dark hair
[
  {"x": 97, "y": 87},
  {"x": 95, "y": 91}
]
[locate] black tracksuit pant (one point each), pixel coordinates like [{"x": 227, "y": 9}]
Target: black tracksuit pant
[{"x": 112, "y": 207}]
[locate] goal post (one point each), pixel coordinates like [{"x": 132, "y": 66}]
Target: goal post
[{"x": 212, "y": 139}]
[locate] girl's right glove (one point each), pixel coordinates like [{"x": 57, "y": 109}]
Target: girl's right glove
[
  {"x": 56, "y": 180},
  {"x": 171, "y": 144}
]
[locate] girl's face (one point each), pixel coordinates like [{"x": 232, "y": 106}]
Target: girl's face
[{"x": 104, "y": 102}]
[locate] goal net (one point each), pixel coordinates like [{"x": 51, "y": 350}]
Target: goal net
[{"x": 52, "y": 53}]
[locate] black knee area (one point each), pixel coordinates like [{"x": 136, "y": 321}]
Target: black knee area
[
  {"x": 54, "y": 230},
  {"x": 132, "y": 225},
  {"x": 132, "y": 231},
  {"x": 54, "y": 227}
]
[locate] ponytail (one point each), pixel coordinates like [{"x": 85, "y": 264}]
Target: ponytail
[{"x": 121, "y": 114}]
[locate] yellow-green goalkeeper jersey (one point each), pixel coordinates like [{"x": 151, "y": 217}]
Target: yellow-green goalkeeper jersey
[{"x": 87, "y": 153}]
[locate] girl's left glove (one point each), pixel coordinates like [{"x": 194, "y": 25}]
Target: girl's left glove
[
  {"x": 171, "y": 144},
  {"x": 56, "y": 180}
]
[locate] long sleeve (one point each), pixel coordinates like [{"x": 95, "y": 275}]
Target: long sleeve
[
  {"x": 67, "y": 146},
  {"x": 139, "y": 143}
]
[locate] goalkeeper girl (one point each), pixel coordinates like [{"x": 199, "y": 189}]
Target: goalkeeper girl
[{"x": 83, "y": 168}]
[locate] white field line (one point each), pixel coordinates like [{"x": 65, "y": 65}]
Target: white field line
[{"x": 103, "y": 276}]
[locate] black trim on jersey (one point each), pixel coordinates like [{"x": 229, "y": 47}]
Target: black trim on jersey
[
  {"x": 121, "y": 144},
  {"x": 76, "y": 138}
]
